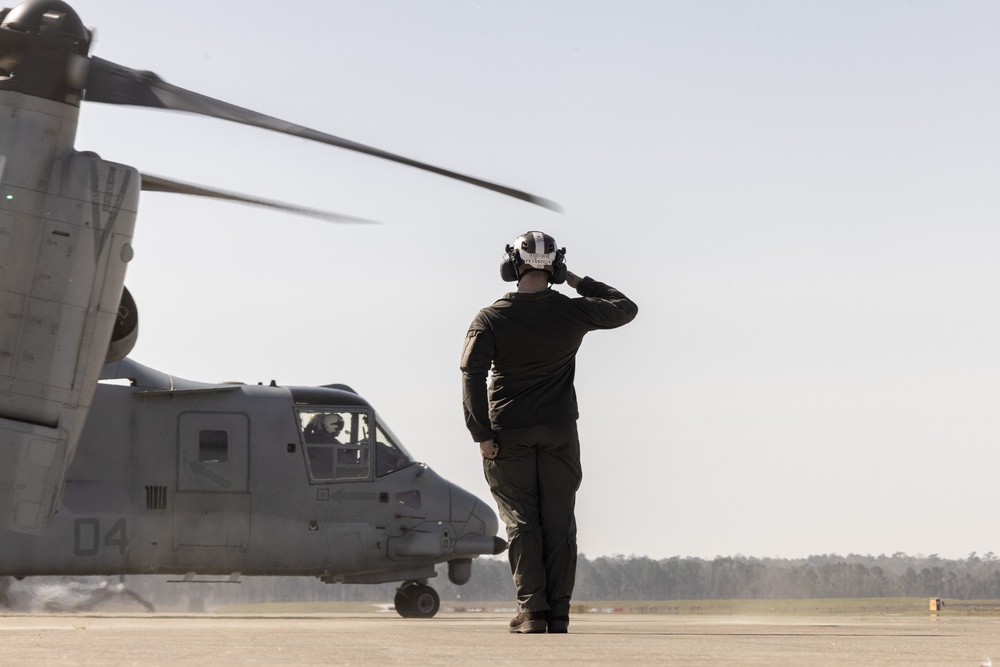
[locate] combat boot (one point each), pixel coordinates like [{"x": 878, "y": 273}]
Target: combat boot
[
  {"x": 558, "y": 624},
  {"x": 528, "y": 622}
]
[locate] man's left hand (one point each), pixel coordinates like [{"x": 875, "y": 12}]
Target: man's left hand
[{"x": 489, "y": 449}]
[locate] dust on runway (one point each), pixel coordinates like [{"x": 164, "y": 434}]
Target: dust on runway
[{"x": 456, "y": 639}]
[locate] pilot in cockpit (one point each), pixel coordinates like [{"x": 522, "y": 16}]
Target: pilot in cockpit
[{"x": 324, "y": 428}]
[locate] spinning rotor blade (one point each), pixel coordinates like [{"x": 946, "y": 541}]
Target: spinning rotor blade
[
  {"x": 152, "y": 183},
  {"x": 116, "y": 84}
]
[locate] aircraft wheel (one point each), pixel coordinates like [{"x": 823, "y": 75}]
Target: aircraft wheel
[{"x": 417, "y": 601}]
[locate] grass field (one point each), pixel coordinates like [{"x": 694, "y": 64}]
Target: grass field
[{"x": 819, "y": 607}]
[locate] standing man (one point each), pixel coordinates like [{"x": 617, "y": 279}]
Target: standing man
[{"x": 525, "y": 422}]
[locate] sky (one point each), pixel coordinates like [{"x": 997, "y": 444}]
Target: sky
[{"x": 801, "y": 197}]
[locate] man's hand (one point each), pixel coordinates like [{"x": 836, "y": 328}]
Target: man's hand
[
  {"x": 572, "y": 279},
  {"x": 489, "y": 449}
]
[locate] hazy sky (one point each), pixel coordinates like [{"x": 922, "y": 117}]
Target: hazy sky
[{"x": 800, "y": 196}]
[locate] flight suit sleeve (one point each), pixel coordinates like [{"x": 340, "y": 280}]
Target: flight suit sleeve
[
  {"x": 605, "y": 307},
  {"x": 477, "y": 358}
]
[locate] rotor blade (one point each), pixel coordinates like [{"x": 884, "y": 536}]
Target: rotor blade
[
  {"x": 152, "y": 183},
  {"x": 111, "y": 83}
]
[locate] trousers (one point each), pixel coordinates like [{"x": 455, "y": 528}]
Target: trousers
[{"x": 534, "y": 480}]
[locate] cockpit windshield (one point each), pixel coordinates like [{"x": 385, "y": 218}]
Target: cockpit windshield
[
  {"x": 338, "y": 445},
  {"x": 389, "y": 453}
]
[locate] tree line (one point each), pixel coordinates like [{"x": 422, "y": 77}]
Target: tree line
[
  {"x": 606, "y": 578},
  {"x": 746, "y": 578},
  {"x": 824, "y": 576}
]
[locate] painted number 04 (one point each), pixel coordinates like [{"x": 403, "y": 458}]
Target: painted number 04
[{"x": 87, "y": 537}]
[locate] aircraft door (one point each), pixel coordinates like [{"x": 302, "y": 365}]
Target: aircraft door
[
  {"x": 212, "y": 503},
  {"x": 213, "y": 452}
]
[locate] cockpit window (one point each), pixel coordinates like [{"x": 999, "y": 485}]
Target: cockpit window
[
  {"x": 389, "y": 454},
  {"x": 337, "y": 444}
]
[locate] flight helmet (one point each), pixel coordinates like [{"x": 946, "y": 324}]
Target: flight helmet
[
  {"x": 534, "y": 251},
  {"x": 333, "y": 423}
]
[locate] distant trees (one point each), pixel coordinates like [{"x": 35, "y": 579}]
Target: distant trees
[
  {"x": 739, "y": 577},
  {"x": 826, "y": 576},
  {"x": 624, "y": 578}
]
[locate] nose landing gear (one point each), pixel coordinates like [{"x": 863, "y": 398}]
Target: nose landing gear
[{"x": 416, "y": 600}]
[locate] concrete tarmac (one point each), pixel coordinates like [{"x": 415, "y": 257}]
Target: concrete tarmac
[{"x": 456, "y": 639}]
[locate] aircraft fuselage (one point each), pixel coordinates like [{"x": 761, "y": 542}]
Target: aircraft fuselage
[{"x": 176, "y": 477}]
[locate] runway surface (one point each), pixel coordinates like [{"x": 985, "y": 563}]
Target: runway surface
[{"x": 481, "y": 639}]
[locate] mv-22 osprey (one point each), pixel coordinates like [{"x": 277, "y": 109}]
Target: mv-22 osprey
[{"x": 160, "y": 475}]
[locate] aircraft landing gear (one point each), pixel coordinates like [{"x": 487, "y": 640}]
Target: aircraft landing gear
[{"x": 416, "y": 600}]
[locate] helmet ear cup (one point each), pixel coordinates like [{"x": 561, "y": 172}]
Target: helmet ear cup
[
  {"x": 508, "y": 265},
  {"x": 559, "y": 267}
]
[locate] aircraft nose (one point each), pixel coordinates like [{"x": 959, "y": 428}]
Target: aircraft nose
[
  {"x": 477, "y": 525},
  {"x": 459, "y": 526},
  {"x": 484, "y": 515}
]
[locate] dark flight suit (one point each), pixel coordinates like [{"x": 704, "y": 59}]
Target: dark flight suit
[{"x": 529, "y": 341}]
